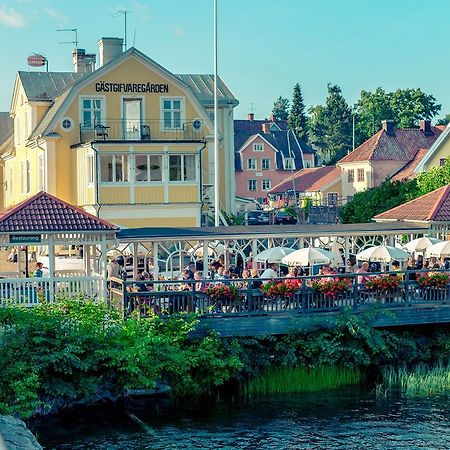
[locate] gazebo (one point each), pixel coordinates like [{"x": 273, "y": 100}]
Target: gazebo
[{"x": 44, "y": 223}]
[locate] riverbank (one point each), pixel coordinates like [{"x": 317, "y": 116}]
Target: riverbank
[{"x": 15, "y": 435}]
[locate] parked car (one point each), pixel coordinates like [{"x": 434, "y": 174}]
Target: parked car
[
  {"x": 284, "y": 218},
  {"x": 258, "y": 218}
]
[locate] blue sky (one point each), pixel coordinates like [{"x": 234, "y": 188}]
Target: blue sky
[{"x": 265, "y": 46}]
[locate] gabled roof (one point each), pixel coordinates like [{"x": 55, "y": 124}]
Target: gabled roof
[
  {"x": 433, "y": 149},
  {"x": 434, "y": 206},
  {"x": 309, "y": 180},
  {"x": 255, "y": 126},
  {"x": 44, "y": 213},
  {"x": 401, "y": 145},
  {"x": 407, "y": 172}
]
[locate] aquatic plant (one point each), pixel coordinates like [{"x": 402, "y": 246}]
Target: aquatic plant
[{"x": 282, "y": 380}]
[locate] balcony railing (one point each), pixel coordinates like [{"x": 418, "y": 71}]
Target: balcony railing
[{"x": 142, "y": 131}]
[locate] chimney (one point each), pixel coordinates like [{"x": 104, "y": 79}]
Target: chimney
[
  {"x": 266, "y": 127},
  {"x": 251, "y": 117},
  {"x": 109, "y": 49},
  {"x": 425, "y": 127},
  {"x": 83, "y": 62},
  {"x": 273, "y": 117},
  {"x": 388, "y": 126}
]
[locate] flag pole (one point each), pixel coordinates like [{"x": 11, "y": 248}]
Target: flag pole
[{"x": 216, "y": 128}]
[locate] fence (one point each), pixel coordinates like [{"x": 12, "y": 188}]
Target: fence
[{"x": 311, "y": 294}]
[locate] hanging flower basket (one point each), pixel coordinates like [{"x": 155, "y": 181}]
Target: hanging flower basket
[
  {"x": 330, "y": 289},
  {"x": 433, "y": 279},
  {"x": 280, "y": 289},
  {"x": 222, "y": 292}
]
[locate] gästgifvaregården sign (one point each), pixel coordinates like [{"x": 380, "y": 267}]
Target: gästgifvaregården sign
[
  {"x": 25, "y": 239},
  {"x": 158, "y": 88}
]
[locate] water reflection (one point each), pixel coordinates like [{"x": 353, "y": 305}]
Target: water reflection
[{"x": 331, "y": 420}]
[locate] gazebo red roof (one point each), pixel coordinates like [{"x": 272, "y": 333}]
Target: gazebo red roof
[{"x": 45, "y": 213}]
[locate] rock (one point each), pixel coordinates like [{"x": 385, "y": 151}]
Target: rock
[{"x": 14, "y": 435}]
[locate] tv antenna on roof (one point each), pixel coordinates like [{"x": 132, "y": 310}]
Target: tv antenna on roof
[
  {"x": 75, "y": 41},
  {"x": 124, "y": 12}
]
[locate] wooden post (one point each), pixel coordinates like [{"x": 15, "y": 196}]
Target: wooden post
[
  {"x": 346, "y": 249},
  {"x": 135, "y": 260},
  {"x": 254, "y": 252}
]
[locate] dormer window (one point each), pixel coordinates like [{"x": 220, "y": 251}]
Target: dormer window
[
  {"x": 289, "y": 163},
  {"x": 258, "y": 147}
]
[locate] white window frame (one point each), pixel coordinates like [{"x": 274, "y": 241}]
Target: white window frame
[
  {"x": 268, "y": 183},
  {"x": 25, "y": 177},
  {"x": 42, "y": 180},
  {"x": 252, "y": 166},
  {"x": 114, "y": 173},
  {"x": 287, "y": 161},
  {"x": 254, "y": 182},
  {"x": 350, "y": 175},
  {"x": 25, "y": 128},
  {"x": 262, "y": 164},
  {"x": 91, "y": 169},
  {"x": 102, "y": 99},
  {"x": 149, "y": 180},
  {"x": 183, "y": 155},
  {"x": 182, "y": 113},
  {"x": 363, "y": 177},
  {"x": 258, "y": 147},
  {"x": 11, "y": 184}
]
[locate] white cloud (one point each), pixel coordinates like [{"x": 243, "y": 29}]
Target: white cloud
[
  {"x": 11, "y": 18},
  {"x": 178, "y": 31},
  {"x": 58, "y": 16}
]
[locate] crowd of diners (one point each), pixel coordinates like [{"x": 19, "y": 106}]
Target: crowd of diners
[{"x": 194, "y": 277}]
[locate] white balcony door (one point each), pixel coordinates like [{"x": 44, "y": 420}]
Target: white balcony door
[{"x": 132, "y": 116}]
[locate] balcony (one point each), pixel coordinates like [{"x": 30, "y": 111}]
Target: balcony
[{"x": 112, "y": 130}]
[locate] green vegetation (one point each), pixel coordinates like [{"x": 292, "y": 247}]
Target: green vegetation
[
  {"x": 281, "y": 108},
  {"x": 422, "y": 380},
  {"x": 371, "y": 202},
  {"x": 297, "y": 119},
  {"x": 302, "y": 379},
  {"x": 78, "y": 350}
]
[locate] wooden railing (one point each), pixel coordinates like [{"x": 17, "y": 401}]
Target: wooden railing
[{"x": 166, "y": 298}]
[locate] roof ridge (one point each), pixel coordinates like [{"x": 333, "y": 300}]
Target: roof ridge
[{"x": 440, "y": 200}]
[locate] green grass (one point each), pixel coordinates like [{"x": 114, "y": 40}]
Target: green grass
[
  {"x": 422, "y": 380},
  {"x": 302, "y": 379}
]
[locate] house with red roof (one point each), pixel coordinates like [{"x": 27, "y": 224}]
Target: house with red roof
[
  {"x": 390, "y": 153},
  {"x": 266, "y": 152}
]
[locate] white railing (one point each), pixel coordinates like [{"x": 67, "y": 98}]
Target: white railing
[
  {"x": 31, "y": 291},
  {"x": 70, "y": 273}
]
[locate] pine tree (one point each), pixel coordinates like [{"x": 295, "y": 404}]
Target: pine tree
[
  {"x": 297, "y": 120},
  {"x": 281, "y": 108}
]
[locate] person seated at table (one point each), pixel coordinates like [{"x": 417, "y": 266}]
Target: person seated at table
[
  {"x": 293, "y": 274},
  {"x": 269, "y": 273},
  {"x": 199, "y": 283},
  {"x": 362, "y": 278},
  {"x": 221, "y": 274},
  {"x": 255, "y": 275},
  {"x": 351, "y": 265},
  {"x": 396, "y": 268},
  {"x": 185, "y": 276},
  {"x": 411, "y": 266}
]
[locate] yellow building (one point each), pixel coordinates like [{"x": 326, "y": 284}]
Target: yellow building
[
  {"x": 437, "y": 154},
  {"x": 130, "y": 142}
]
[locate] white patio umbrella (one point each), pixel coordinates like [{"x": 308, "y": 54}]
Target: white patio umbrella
[
  {"x": 383, "y": 254},
  {"x": 127, "y": 250},
  {"x": 440, "y": 249},
  {"x": 274, "y": 254},
  {"x": 419, "y": 245},
  {"x": 308, "y": 257},
  {"x": 214, "y": 248}
]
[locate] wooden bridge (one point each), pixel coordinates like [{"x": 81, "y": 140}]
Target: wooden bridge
[{"x": 249, "y": 311}]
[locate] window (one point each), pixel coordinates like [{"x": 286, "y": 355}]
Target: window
[
  {"x": 91, "y": 112},
  {"x": 266, "y": 185},
  {"x": 41, "y": 173},
  {"x": 351, "y": 175},
  {"x": 113, "y": 168},
  {"x": 25, "y": 129},
  {"x": 25, "y": 177},
  {"x": 265, "y": 164},
  {"x": 442, "y": 161},
  {"x": 307, "y": 164},
  {"x": 258, "y": 147},
  {"x": 182, "y": 168},
  {"x": 360, "y": 174},
  {"x": 289, "y": 163},
  {"x": 252, "y": 185},
  {"x": 171, "y": 113},
  {"x": 91, "y": 169},
  {"x": 332, "y": 198},
  {"x": 148, "y": 168},
  {"x": 67, "y": 124},
  {"x": 251, "y": 164}
]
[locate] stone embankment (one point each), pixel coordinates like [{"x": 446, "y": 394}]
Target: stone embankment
[{"x": 14, "y": 435}]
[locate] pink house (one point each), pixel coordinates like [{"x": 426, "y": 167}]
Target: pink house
[{"x": 266, "y": 153}]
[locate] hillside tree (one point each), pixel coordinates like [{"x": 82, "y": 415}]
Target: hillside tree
[{"x": 297, "y": 119}]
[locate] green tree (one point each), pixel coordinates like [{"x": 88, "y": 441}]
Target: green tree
[
  {"x": 331, "y": 126},
  {"x": 297, "y": 119},
  {"x": 444, "y": 121},
  {"x": 281, "y": 108},
  {"x": 404, "y": 106}
]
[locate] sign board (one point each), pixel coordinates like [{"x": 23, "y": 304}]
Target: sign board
[
  {"x": 25, "y": 239},
  {"x": 36, "y": 60}
]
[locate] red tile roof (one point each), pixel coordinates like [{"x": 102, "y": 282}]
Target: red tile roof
[
  {"x": 45, "y": 213},
  {"x": 434, "y": 206},
  {"x": 402, "y": 145},
  {"x": 309, "y": 180},
  {"x": 407, "y": 171}
]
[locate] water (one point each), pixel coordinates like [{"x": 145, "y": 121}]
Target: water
[{"x": 337, "y": 420}]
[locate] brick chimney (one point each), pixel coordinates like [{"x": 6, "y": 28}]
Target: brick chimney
[
  {"x": 388, "y": 126},
  {"x": 425, "y": 127},
  {"x": 109, "y": 48},
  {"x": 273, "y": 117},
  {"x": 83, "y": 62},
  {"x": 251, "y": 117},
  {"x": 266, "y": 127}
]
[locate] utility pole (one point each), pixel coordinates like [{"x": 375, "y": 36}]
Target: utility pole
[
  {"x": 216, "y": 129},
  {"x": 124, "y": 12}
]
